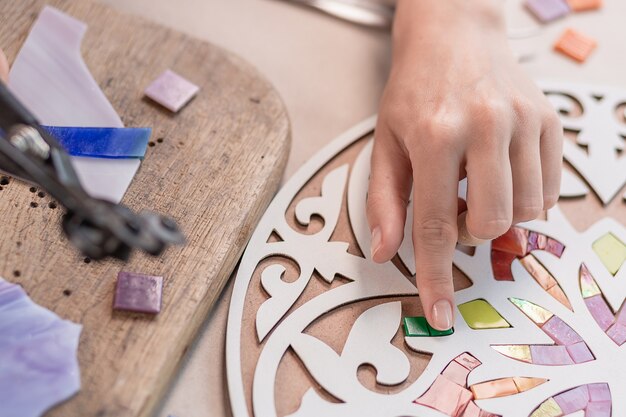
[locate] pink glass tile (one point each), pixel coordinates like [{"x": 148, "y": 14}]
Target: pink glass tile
[
  {"x": 554, "y": 247},
  {"x": 547, "y": 10},
  {"x": 472, "y": 410},
  {"x": 501, "y": 265},
  {"x": 446, "y": 396},
  {"x": 621, "y": 316},
  {"x": 532, "y": 242},
  {"x": 560, "y": 332},
  {"x": 598, "y": 409},
  {"x": 514, "y": 241},
  {"x": 467, "y": 361},
  {"x": 599, "y": 392},
  {"x": 617, "y": 332},
  {"x": 456, "y": 373},
  {"x": 550, "y": 355},
  {"x": 573, "y": 400},
  {"x": 138, "y": 292},
  {"x": 579, "y": 352},
  {"x": 171, "y": 90},
  {"x": 600, "y": 311}
]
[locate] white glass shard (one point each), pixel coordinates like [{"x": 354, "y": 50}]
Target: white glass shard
[{"x": 50, "y": 77}]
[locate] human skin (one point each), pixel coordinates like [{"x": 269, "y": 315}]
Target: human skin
[{"x": 457, "y": 104}]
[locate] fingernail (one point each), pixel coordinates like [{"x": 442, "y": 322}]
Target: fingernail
[
  {"x": 442, "y": 315},
  {"x": 376, "y": 241}
]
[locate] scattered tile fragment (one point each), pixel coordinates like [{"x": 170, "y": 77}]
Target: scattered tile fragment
[
  {"x": 573, "y": 400},
  {"x": 584, "y": 5},
  {"x": 537, "y": 314},
  {"x": 611, "y": 251},
  {"x": 560, "y": 332},
  {"x": 550, "y": 355},
  {"x": 171, "y": 91},
  {"x": 575, "y": 45},
  {"x": 519, "y": 352},
  {"x": 138, "y": 292},
  {"x": 600, "y": 311},
  {"x": 492, "y": 389},
  {"x": 479, "y": 314},
  {"x": 579, "y": 352},
  {"x": 547, "y": 10},
  {"x": 548, "y": 408}
]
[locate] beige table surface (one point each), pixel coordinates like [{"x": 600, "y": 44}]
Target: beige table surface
[{"x": 330, "y": 75}]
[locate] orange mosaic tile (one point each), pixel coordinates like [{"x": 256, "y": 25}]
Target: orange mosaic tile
[
  {"x": 584, "y": 5},
  {"x": 575, "y": 45}
]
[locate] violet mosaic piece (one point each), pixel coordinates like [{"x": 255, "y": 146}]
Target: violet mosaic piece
[
  {"x": 548, "y": 10},
  {"x": 138, "y": 292},
  {"x": 38, "y": 364},
  {"x": 171, "y": 90}
]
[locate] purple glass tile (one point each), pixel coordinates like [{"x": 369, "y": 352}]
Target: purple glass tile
[
  {"x": 171, "y": 90},
  {"x": 579, "y": 352},
  {"x": 599, "y": 392},
  {"x": 138, "y": 292},
  {"x": 573, "y": 400},
  {"x": 554, "y": 247},
  {"x": 621, "y": 316},
  {"x": 548, "y": 10},
  {"x": 532, "y": 241},
  {"x": 600, "y": 311},
  {"x": 617, "y": 332},
  {"x": 560, "y": 332},
  {"x": 598, "y": 409},
  {"x": 550, "y": 355}
]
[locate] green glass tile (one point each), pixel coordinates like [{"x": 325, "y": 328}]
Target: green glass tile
[
  {"x": 435, "y": 332},
  {"x": 479, "y": 314},
  {"x": 416, "y": 327},
  {"x": 611, "y": 251}
]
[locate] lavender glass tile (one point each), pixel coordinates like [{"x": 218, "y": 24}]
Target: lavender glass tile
[
  {"x": 555, "y": 247},
  {"x": 38, "y": 364},
  {"x": 599, "y": 392},
  {"x": 550, "y": 355},
  {"x": 617, "y": 332},
  {"x": 598, "y": 409},
  {"x": 600, "y": 311},
  {"x": 579, "y": 352},
  {"x": 560, "y": 332},
  {"x": 573, "y": 400},
  {"x": 548, "y": 10},
  {"x": 171, "y": 90},
  {"x": 138, "y": 292}
]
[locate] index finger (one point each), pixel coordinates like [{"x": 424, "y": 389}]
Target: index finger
[{"x": 435, "y": 187}]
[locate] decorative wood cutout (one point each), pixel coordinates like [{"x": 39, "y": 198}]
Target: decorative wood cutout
[{"x": 552, "y": 339}]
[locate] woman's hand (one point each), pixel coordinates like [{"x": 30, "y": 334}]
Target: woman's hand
[
  {"x": 4, "y": 67},
  {"x": 457, "y": 104}
]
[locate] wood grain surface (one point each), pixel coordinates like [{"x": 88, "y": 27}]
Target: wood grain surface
[{"x": 213, "y": 167}]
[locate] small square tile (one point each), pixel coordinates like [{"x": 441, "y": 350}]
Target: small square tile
[
  {"x": 138, "y": 292},
  {"x": 171, "y": 90},
  {"x": 437, "y": 333},
  {"x": 547, "y": 10},
  {"x": 416, "y": 327},
  {"x": 584, "y": 5},
  {"x": 575, "y": 45}
]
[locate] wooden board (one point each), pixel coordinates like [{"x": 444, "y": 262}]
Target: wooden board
[{"x": 214, "y": 168}]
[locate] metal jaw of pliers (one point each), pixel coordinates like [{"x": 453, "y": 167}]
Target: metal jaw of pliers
[{"x": 98, "y": 228}]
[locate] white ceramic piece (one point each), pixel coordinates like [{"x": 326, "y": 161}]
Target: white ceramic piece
[
  {"x": 282, "y": 327},
  {"x": 50, "y": 77}
]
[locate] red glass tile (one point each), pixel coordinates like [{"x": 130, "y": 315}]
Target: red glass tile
[
  {"x": 501, "y": 265},
  {"x": 514, "y": 241}
]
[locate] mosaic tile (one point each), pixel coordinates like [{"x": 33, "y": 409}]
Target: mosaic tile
[
  {"x": 514, "y": 241},
  {"x": 519, "y": 352},
  {"x": 467, "y": 361},
  {"x": 538, "y": 272},
  {"x": 550, "y": 355},
  {"x": 446, "y": 396},
  {"x": 611, "y": 251},
  {"x": 588, "y": 286},
  {"x": 138, "y": 292},
  {"x": 525, "y": 384},
  {"x": 479, "y": 314},
  {"x": 171, "y": 91},
  {"x": 617, "y": 332},
  {"x": 456, "y": 373},
  {"x": 584, "y": 5},
  {"x": 598, "y": 409},
  {"x": 555, "y": 247},
  {"x": 416, "y": 327},
  {"x": 537, "y": 314},
  {"x": 599, "y": 392},
  {"x": 573, "y": 400},
  {"x": 600, "y": 311},
  {"x": 547, "y": 10},
  {"x": 492, "y": 389},
  {"x": 575, "y": 45},
  {"x": 560, "y": 332},
  {"x": 548, "y": 408},
  {"x": 501, "y": 265},
  {"x": 579, "y": 352},
  {"x": 559, "y": 296}
]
